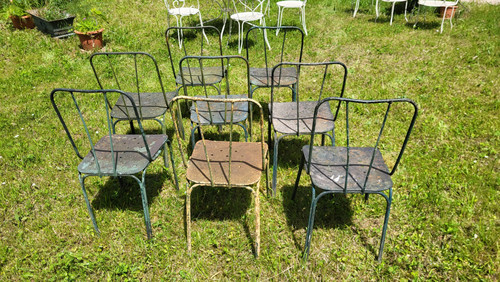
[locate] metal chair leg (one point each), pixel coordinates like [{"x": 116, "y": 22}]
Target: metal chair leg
[
  {"x": 188, "y": 218},
  {"x": 386, "y": 220},
  {"x": 87, "y": 202},
  {"x": 275, "y": 162},
  {"x": 299, "y": 173},
  {"x": 257, "y": 222},
  {"x": 310, "y": 223},
  {"x": 173, "y": 163},
  {"x": 145, "y": 207}
]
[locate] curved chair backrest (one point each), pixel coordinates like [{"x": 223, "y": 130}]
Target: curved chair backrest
[
  {"x": 191, "y": 46},
  {"x": 87, "y": 103},
  {"x": 369, "y": 116},
  {"x": 287, "y": 47},
  {"x": 176, "y": 4},
  {"x": 226, "y": 155},
  {"x": 131, "y": 72},
  {"x": 255, "y": 6},
  {"x": 231, "y": 70},
  {"x": 314, "y": 82}
]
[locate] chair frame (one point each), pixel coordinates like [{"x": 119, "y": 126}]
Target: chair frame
[
  {"x": 111, "y": 135},
  {"x": 296, "y": 99},
  {"x": 179, "y": 19},
  {"x": 377, "y": 7},
  {"x": 200, "y": 60},
  {"x": 269, "y": 67},
  {"x": 306, "y": 164},
  {"x": 281, "y": 9},
  {"x": 435, "y": 4},
  {"x": 241, "y": 23},
  {"x": 192, "y": 184}
]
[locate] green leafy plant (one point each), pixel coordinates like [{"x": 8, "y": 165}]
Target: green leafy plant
[{"x": 92, "y": 21}]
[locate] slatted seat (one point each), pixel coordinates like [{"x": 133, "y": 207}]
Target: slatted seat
[{"x": 192, "y": 76}]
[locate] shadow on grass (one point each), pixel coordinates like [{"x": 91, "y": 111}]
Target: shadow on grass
[
  {"x": 331, "y": 211},
  {"x": 127, "y": 195},
  {"x": 220, "y": 203}
]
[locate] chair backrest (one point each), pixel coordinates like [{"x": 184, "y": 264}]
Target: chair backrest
[
  {"x": 175, "y": 4},
  {"x": 131, "y": 72},
  {"x": 91, "y": 110},
  {"x": 315, "y": 81},
  {"x": 193, "y": 43},
  {"x": 286, "y": 47},
  {"x": 231, "y": 70},
  {"x": 244, "y": 6},
  {"x": 388, "y": 123},
  {"x": 231, "y": 107}
]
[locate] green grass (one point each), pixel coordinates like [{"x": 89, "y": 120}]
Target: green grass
[{"x": 444, "y": 221}]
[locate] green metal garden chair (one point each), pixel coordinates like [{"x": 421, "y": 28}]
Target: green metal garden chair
[
  {"x": 109, "y": 154},
  {"x": 137, "y": 74},
  {"x": 287, "y": 47},
  {"x": 225, "y": 163},
  {"x": 358, "y": 168},
  {"x": 293, "y": 116},
  {"x": 234, "y": 85}
]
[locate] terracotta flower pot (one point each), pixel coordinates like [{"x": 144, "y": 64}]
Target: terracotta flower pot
[
  {"x": 450, "y": 12},
  {"x": 22, "y": 22},
  {"x": 90, "y": 40}
]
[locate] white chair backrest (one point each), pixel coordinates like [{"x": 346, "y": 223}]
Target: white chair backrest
[
  {"x": 241, "y": 6},
  {"x": 175, "y": 4}
]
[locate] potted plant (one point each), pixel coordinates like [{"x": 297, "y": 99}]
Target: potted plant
[
  {"x": 19, "y": 17},
  {"x": 89, "y": 29},
  {"x": 53, "y": 20},
  {"x": 450, "y": 11}
]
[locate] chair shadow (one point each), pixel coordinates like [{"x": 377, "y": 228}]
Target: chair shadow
[
  {"x": 127, "y": 196},
  {"x": 212, "y": 203},
  {"x": 289, "y": 144},
  {"x": 331, "y": 211}
]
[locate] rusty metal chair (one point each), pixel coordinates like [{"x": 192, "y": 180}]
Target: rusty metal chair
[
  {"x": 235, "y": 85},
  {"x": 290, "y": 46},
  {"x": 137, "y": 74},
  {"x": 294, "y": 117},
  {"x": 116, "y": 155},
  {"x": 228, "y": 163},
  {"x": 358, "y": 168}
]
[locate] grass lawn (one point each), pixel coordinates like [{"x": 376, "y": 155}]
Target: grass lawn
[{"x": 444, "y": 221}]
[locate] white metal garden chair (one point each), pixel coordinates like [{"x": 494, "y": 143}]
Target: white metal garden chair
[
  {"x": 291, "y": 4},
  {"x": 436, "y": 4},
  {"x": 248, "y": 11},
  {"x": 377, "y": 7},
  {"x": 180, "y": 9}
]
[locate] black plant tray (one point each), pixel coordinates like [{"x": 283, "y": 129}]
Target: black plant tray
[{"x": 60, "y": 28}]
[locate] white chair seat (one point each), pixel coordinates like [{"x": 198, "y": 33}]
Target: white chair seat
[
  {"x": 247, "y": 16},
  {"x": 183, "y": 11},
  {"x": 290, "y": 4},
  {"x": 437, "y": 3}
]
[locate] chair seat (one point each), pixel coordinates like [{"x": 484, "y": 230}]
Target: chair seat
[
  {"x": 285, "y": 117},
  {"x": 151, "y": 105},
  {"x": 290, "y": 4},
  {"x": 262, "y": 77},
  {"x": 246, "y": 163},
  {"x": 220, "y": 112},
  {"x": 183, "y": 11},
  {"x": 435, "y": 3},
  {"x": 328, "y": 169},
  {"x": 130, "y": 154},
  {"x": 247, "y": 16},
  {"x": 192, "y": 75}
]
